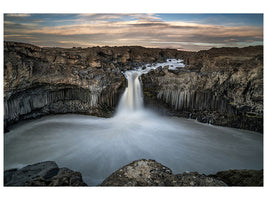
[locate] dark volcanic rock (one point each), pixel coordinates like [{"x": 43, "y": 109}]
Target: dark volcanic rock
[
  {"x": 40, "y": 81},
  {"x": 221, "y": 86},
  {"x": 218, "y": 86},
  {"x": 151, "y": 173},
  {"x": 241, "y": 177},
  {"x": 67, "y": 177},
  {"x": 138, "y": 173},
  {"x": 43, "y": 174}
]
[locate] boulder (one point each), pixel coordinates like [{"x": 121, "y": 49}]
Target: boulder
[
  {"x": 151, "y": 173},
  {"x": 241, "y": 177},
  {"x": 43, "y": 174},
  {"x": 138, "y": 173}
]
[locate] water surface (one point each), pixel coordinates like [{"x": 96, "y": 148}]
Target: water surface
[{"x": 97, "y": 147}]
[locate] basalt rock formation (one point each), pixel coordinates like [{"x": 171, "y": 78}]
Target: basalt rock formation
[
  {"x": 138, "y": 173},
  {"x": 240, "y": 177},
  {"x": 151, "y": 173},
  {"x": 218, "y": 86},
  {"x": 43, "y": 174},
  {"x": 39, "y": 81},
  {"x": 221, "y": 86}
]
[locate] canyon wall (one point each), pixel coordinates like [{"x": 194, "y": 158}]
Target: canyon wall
[
  {"x": 40, "y": 81},
  {"x": 219, "y": 86}
]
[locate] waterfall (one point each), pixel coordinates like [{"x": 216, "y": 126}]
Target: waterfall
[{"x": 132, "y": 98}]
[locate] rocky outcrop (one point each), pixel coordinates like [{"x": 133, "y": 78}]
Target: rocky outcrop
[
  {"x": 151, "y": 173},
  {"x": 241, "y": 177},
  {"x": 40, "y": 81},
  {"x": 43, "y": 174},
  {"x": 219, "y": 86},
  {"x": 138, "y": 173}
]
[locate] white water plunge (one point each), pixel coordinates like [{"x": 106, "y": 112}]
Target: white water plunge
[
  {"x": 97, "y": 147},
  {"x": 132, "y": 98}
]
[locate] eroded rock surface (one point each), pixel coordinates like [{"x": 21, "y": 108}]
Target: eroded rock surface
[
  {"x": 221, "y": 86},
  {"x": 43, "y": 174},
  {"x": 218, "y": 86},
  {"x": 40, "y": 81},
  {"x": 151, "y": 173},
  {"x": 241, "y": 177},
  {"x": 138, "y": 173}
]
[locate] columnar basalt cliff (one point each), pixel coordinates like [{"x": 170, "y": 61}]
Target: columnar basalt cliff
[
  {"x": 39, "y": 81},
  {"x": 219, "y": 86}
]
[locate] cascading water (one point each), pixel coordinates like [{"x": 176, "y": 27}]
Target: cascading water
[
  {"x": 132, "y": 98},
  {"x": 97, "y": 147}
]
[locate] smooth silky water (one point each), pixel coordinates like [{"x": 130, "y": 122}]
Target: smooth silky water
[{"x": 97, "y": 147}]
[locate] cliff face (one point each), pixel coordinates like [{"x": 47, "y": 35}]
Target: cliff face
[
  {"x": 39, "y": 81},
  {"x": 219, "y": 86}
]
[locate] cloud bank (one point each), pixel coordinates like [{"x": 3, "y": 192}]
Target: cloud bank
[{"x": 149, "y": 30}]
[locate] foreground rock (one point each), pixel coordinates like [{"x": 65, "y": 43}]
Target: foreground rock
[
  {"x": 138, "y": 173},
  {"x": 43, "y": 174},
  {"x": 241, "y": 177},
  {"x": 151, "y": 173}
]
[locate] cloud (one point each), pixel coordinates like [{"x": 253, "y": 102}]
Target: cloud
[
  {"x": 131, "y": 29},
  {"x": 122, "y": 16},
  {"x": 18, "y": 15}
]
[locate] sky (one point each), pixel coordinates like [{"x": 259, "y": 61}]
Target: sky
[{"x": 190, "y": 32}]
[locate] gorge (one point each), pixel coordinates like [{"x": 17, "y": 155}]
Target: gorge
[
  {"x": 218, "y": 86},
  {"x": 221, "y": 86}
]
